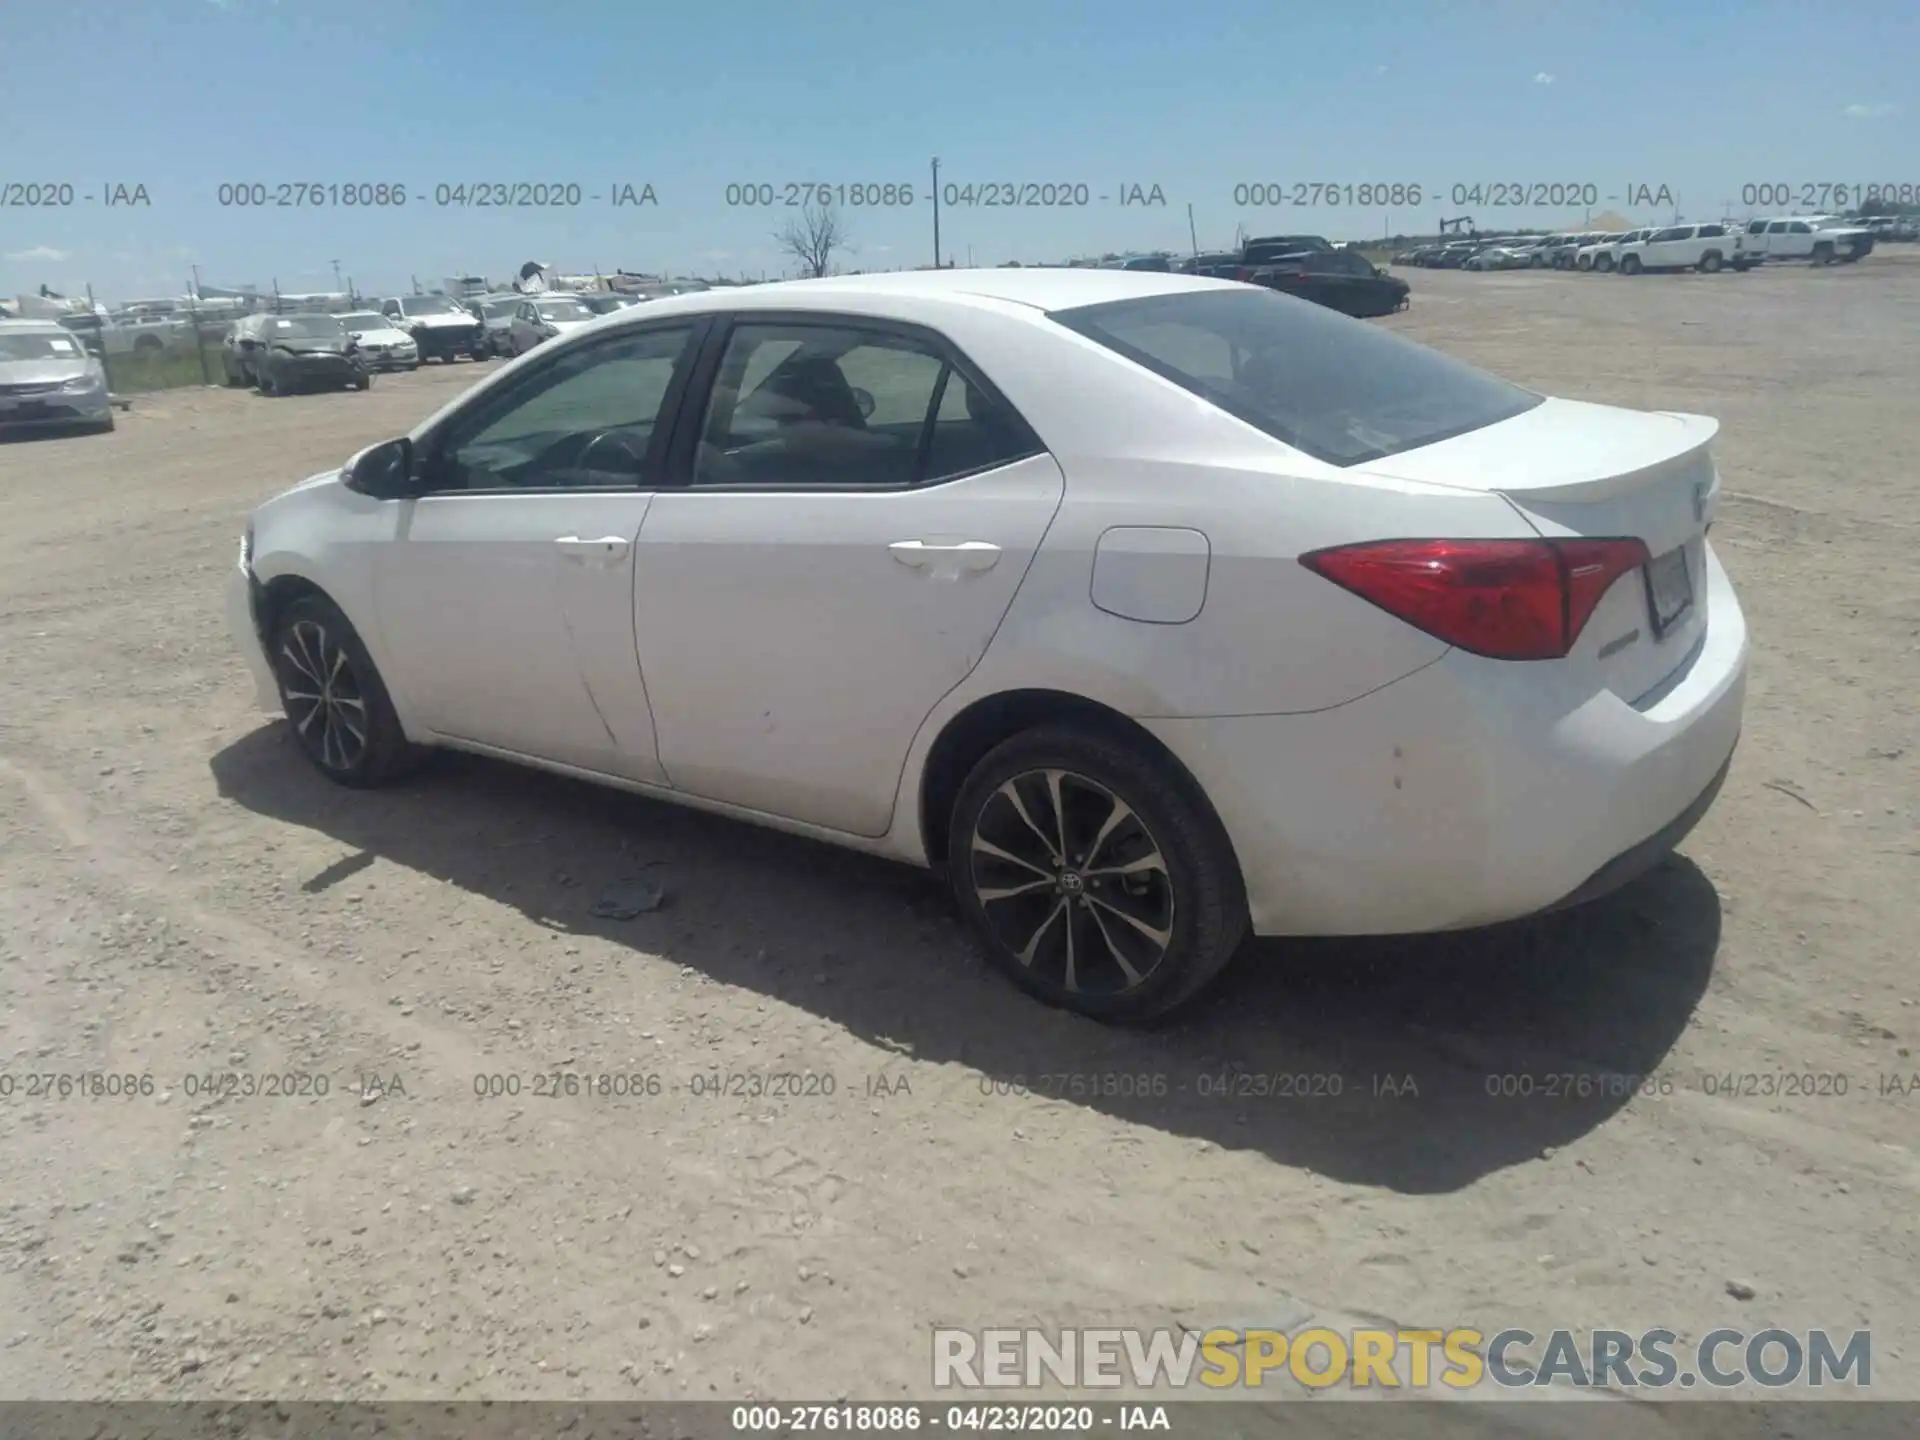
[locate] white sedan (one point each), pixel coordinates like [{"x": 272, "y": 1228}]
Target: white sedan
[
  {"x": 381, "y": 346},
  {"x": 548, "y": 318},
  {"x": 1153, "y": 610}
]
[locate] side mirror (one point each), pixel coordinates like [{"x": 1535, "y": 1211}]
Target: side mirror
[
  {"x": 383, "y": 472},
  {"x": 864, "y": 399}
]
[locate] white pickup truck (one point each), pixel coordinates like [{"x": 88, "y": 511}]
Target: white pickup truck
[{"x": 1821, "y": 239}]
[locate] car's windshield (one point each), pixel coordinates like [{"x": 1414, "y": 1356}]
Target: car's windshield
[
  {"x": 38, "y": 345},
  {"x": 494, "y": 309},
  {"x": 365, "y": 320},
  {"x": 305, "y": 327},
  {"x": 564, "y": 310},
  {"x": 1341, "y": 390},
  {"x": 429, "y": 305}
]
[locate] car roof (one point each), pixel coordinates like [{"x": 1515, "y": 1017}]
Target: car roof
[
  {"x": 1047, "y": 289},
  {"x": 33, "y": 327}
]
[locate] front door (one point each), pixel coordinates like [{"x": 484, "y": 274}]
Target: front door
[
  {"x": 507, "y": 601},
  {"x": 857, "y": 513}
]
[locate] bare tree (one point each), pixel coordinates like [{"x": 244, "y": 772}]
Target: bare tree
[{"x": 812, "y": 237}]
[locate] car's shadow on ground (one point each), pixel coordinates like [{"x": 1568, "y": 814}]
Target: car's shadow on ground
[{"x": 1415, "y": 1064}]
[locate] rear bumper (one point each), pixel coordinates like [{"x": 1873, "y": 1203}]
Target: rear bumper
[
  {"x": 1630, "y": 864},
  {"x": 1468, "y": 792}
]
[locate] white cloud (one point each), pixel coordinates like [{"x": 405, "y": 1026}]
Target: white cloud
[
  {"x": 38, "y": 252},
  {"x": 1543, "y": 78},
  {"x": 1870, "y": 112},
  {"x": 1380, "y": 70}
]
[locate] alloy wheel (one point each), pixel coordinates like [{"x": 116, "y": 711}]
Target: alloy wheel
[
  {"x": 323, "y": 695},
  {"x": 1072, "y": 882}
]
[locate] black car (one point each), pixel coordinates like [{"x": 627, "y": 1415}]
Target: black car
[
  {"x": 307, "y": 352},
  {"x": 1265, "y": 249},
  {"x": 1343, "y": 280}
]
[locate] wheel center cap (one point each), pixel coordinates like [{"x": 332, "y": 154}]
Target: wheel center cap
[{"x": 1071, "y": 882}]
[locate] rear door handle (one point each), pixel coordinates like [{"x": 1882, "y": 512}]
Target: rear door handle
[
  {"x": 946, "y": 561},
  {"x": 605, "y": 550}
]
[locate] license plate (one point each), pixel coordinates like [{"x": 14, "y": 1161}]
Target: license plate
[{"x": 1669, "y": 590}]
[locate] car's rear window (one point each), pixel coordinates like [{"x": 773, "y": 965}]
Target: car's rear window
[{"x": 1342, "y": 390}]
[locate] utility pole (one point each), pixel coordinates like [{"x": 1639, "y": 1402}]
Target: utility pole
[
  {"x": 336, "y": 275},
  {"x": 1193, "y": 236},
  {"x": 936, "y": 212}
]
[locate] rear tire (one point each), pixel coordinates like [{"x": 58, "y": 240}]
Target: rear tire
[
  {"x": 335, "y": 700},
  {"x": 1710, "y": 262},
  {"x": 1631, "y": 265},
  {"x": 1151, "y": 913}
]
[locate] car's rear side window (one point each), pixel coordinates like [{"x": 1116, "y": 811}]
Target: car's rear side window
[{"x": 1342, "y": 390}]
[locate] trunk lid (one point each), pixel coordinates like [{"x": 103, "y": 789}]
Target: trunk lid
[{"x": 1595, "y": 471}]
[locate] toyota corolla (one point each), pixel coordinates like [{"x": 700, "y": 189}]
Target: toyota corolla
[{"x": 1151, "y": 610}]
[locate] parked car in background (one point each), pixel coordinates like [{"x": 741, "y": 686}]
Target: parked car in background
[
  {"x": 441, "y": 328},
  {"x": 1513, "y": 254},
  {"x": 1603, "y": 255},
  {"x": 1821, "y": 239},
  {"x": 1414, "y": 699},
  {"x": 240, "y": 349},
  {"x": 48, "y": 379},
  {"x": 537, "y": 321},
  {"x": 1585, "y": 256},
  {"x": 1562, "y": 249},
  {"x": 307, "y": 352},
  {"x": 1453, "y": 254},
  {"x": 1215, "y": 264},
  {"x": 1705, "y": 247},
  {"x": 381, "y": 346},
  {"x": 1343, "y": 280},
  {"x": 496, "y": 319},
  {"x": 1157, "y": 263},
  {"x": 1264, "y": 248}
]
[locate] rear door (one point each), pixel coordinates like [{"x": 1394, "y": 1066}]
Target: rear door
[
  {"x": 852, "y": 509},
  {"x": 1576, "y": 469}
]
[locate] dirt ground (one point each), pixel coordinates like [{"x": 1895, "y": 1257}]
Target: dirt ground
[{"x": 181, "y": 896}]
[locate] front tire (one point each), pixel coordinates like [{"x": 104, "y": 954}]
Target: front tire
[
  {"x": 1146, "y": 904},
  {"x": 1710, "y": 262},
  {"x": 334, "y": 698},
  {"x": 1823, "y": 253},
  {"x": 1631, "y": 265}
]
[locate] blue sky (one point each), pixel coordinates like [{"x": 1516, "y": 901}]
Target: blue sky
[{"x": 181, "y": 96}]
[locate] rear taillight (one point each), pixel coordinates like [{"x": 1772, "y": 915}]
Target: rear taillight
[{"x": 1505, "y": 599}]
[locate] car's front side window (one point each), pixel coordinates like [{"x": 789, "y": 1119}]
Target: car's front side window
[
  {"x": 586, "y": 420},
  {"x": 809, "y": 405}
]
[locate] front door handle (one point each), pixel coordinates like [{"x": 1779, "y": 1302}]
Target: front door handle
[
  {"x": 605, "y": 550},
  {"x": 946, "y": 562}
]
